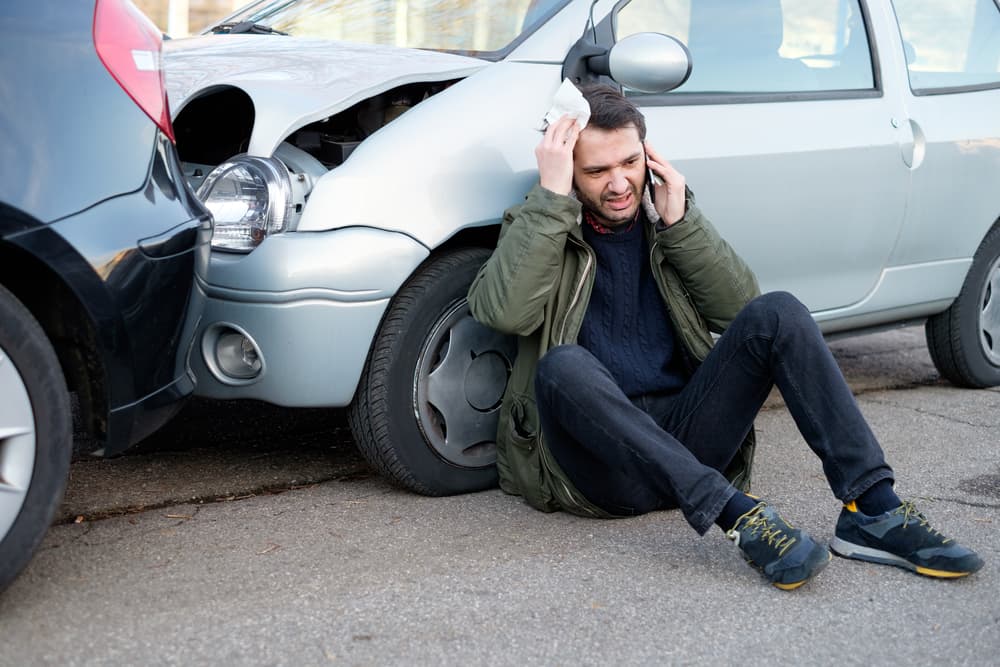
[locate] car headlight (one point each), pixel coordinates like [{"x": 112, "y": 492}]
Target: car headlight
[{"x": 249, "y": 197}]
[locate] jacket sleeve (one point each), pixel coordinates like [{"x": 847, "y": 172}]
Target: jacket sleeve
[
  {"x": 717, "y": 279},
  {"x": 511, "y": 290}
]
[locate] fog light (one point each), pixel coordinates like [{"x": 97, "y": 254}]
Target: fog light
[{"x": 237, "y": 356}]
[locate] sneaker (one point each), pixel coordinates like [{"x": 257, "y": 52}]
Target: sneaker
[
  {"x": 786, "y": 556},
  {"x": 904, "y": 538}
]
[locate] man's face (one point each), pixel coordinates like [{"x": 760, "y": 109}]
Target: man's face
[{"x": 609, "y": 170}]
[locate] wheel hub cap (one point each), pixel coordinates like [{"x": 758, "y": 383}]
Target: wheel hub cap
[
  {"x": 989, "y": 316},
  {"x": 17, "y": 443},
  {"x": 461, "y": 375},
  {"x": 485, "y": 380}
]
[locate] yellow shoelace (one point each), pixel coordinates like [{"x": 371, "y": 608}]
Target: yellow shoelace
[
  {"x": 909, "y": 510},
  {"x": 770, "y": 533}
]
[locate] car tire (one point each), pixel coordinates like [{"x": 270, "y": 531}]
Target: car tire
[
  {"x": 36, "y": 435},
  {"x": 964, "y": 341},
  {"x": 427, "y": 405}
]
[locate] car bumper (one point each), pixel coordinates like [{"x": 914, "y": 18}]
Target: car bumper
[
  {"x": 306, "y": 307},
  {"x": 130, "y": 261}
]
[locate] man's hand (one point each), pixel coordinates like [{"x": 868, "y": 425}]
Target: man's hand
[
  {"x": 669, "y": 198},
  {"x": 555, "y": 156}
]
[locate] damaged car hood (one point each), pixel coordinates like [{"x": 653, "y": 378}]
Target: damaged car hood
[{"x": 294, "y": 81}]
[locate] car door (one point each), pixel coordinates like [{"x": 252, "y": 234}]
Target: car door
[
  {"x": 952, "y": 95},
  {"x": 785, "y": 134}
]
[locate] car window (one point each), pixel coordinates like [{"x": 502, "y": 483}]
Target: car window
[
  {"x": 950, "y": 44},
  {"x": 761, "y": 46},
  {"x": 474, "y": 28}
]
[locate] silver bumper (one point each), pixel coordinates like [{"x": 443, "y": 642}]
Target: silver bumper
[{"x": 310, "y": 305}]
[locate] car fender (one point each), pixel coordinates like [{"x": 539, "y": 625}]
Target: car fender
[{"x": 456, "y": 160}]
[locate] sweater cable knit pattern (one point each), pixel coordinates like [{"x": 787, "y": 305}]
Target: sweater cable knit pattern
[{"x": 626, "y": 325}]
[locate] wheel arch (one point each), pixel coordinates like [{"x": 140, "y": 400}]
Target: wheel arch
[
  {"x": 994, "y": 226},
  {"x": 975, "y": 248},
  {"x": 68, "y": 327},
  {"x": 471, "y": 237},
  {"x": 214, "y": 125},
  {"x": 484, "y": 236}
]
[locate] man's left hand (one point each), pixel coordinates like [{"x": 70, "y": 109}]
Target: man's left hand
[{"x": 668, "y": 198}]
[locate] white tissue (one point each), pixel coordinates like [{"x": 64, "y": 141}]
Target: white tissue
[{"x": 568, "y": 102}]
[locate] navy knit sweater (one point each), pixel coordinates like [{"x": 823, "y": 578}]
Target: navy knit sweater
[{"x": 627, "y": 326}]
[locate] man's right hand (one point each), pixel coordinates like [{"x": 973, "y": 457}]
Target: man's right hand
[{"x": 555, "y": 155}]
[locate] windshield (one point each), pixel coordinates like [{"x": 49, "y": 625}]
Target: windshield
[{"x": 473, "y": 27}]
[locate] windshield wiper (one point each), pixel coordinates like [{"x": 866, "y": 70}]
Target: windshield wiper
[{"x": 245, "y": 28}]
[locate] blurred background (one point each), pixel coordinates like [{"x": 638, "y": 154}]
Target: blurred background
[{"x": 180, "y": 18}]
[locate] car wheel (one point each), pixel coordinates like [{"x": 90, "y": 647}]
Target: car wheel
[
  {"x": 964, "y": 340},
  {"x": 425, "y": 413},
  {"x": 36, "y": 435}
]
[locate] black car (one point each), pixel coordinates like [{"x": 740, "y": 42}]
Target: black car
[{"x": 100, "y": 243}]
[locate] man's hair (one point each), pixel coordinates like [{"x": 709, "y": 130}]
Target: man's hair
[{"x": 610, "y": 110}]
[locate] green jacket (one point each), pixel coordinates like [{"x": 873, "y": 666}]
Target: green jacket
[{"x": 537, "y": 285}]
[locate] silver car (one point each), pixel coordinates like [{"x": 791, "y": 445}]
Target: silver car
[{"x": 358, "y": 155}]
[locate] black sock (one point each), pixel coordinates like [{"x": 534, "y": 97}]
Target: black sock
[
  {"x": 737, "y": 506},
  {"x": 878, "y": 499}
]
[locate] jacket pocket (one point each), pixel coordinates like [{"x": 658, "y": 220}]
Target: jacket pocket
[{"x": 523, "y": 461}]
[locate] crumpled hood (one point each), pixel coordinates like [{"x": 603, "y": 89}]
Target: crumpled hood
[{"x": 295, "y": 81}]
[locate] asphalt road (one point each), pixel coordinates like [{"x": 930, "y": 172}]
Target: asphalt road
[{"x": 250, "y": 535}]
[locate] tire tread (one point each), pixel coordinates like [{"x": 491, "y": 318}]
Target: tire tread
[
  {"x": 949, "y": 351},
  {"x": 27, "y": 346},
  {"x": 369, "y": 414}
]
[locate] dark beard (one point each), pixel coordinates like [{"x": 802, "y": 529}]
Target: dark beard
[{"x": 595, "y": 211}]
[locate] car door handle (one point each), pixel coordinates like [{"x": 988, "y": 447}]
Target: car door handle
[{"x": 914, "y": 149}]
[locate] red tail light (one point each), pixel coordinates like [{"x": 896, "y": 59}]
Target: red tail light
[{"x": 130, "y": 47}]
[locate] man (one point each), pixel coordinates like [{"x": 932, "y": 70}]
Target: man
[{"x": 619, "y": 404}]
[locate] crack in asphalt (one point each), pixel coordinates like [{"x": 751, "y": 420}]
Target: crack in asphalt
[
  {"x": 198, "y": 501},
  {"x": 932, "y": 413},
  {"x": 90, "y": 523},
  {"x": 865, "y": 391},
  {"x": 841, "y": 353},
  {"x": 969, "y": 503},
  {"x": 74, "y": 538}
]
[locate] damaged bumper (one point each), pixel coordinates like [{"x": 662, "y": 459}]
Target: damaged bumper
[{"x": 291, "y": 323}]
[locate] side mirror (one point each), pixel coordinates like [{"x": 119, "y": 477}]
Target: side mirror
[{"x": 648, "y": 62}]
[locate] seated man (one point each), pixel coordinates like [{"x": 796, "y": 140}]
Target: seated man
[{"x": 613, "y": 293}]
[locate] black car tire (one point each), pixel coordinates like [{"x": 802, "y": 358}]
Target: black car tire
[
  {"x": 31, "y": 363},
  {"x": 426, "y": 408},
  {"x": 964, "y": 341}
]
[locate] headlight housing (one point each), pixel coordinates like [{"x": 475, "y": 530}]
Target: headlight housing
[{"x": 249, "y": 197}]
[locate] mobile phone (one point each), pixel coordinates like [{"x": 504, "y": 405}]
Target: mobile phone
[{"x": 653, "y": 178}]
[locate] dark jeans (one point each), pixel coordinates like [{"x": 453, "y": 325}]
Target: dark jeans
[{"x": 631, "y": 456}]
